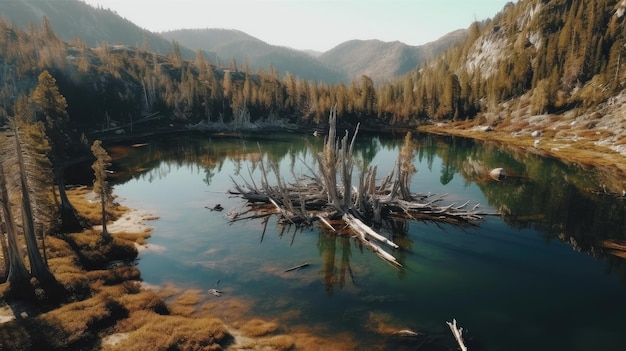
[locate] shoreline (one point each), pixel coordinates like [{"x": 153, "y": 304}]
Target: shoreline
[{"x": 610, "y": 164}]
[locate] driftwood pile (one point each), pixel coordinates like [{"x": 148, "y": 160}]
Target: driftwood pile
[{"x": 328, "y": 195}]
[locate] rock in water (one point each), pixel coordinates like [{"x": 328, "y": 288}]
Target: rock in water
[{"x": 497, "y": 173}]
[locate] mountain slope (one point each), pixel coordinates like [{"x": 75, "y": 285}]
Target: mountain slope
[
  {"x": 72, "y": 19},
  {"x": 383, "y": 61},
  {"x": 550, "y": 75},
  {"x": 257, "y": 54}
]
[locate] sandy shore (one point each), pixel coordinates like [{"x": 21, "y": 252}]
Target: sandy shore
[{"x": 133, "y": 221}]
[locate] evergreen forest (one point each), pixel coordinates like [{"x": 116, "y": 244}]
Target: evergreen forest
[{"x": 543, "y": 56}]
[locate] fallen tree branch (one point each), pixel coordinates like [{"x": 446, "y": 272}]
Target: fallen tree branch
[
  {"x": 361, "y": 227},
  {"x": 458, "y": 334},
  {"x": 297, "y": 267}
]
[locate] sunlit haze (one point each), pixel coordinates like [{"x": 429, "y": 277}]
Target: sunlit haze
[{"x": 311, "y": 24}]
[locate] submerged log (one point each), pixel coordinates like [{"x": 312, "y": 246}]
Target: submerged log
[{"x": 300, "y": 266}]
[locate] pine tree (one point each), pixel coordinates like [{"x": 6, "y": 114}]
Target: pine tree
[
  {"x": 17, "y": 275},
  {"x": 101, "y": 186},
  {"x": 39, "y": 268},
  {"x": 52, "y": 106}
]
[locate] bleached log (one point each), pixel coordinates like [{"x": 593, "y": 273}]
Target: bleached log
[
  {"x": 458, "y": 334},
  {"x": 323, "y": 220},
  {"x": 289, "y": 216},
  {"x": 361, "y": 227},
  {"x": 379, "y": 251},
  {"x": 462, "y": 206}
]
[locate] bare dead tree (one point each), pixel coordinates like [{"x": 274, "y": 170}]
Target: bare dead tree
[{"x": 322, "y": 196}]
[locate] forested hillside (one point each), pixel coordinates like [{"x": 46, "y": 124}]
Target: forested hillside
[
  {"x": 74, "y": 19},
  {"x": 250, "y": 53},
  {"x": 548, "y": 55},
  {"x": 121, "y": 85}
]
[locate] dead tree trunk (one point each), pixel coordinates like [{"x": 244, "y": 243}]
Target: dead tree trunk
[
  {"x": 328, "y": 161},
  {"x": 38, "y": 267},
  {"x": 320, "y": 195},
  {"x": 17, "y": 275}
]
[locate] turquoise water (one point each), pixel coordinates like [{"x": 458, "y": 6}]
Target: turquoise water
[{"x": 533, "y": 279}]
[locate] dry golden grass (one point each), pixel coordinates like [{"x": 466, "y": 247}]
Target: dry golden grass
[
  {"x": 143, "y": 300},
  {"x": 168, "y": 290},
  {"x": 186, "y": 304},
  {"x": 256, "y": 327},
  {"x": 230, "y": 310},
  {"x": 278, "y": 342},
  {"x": 519, "y": 126},
  {"x": 56, "y": 247},
  {"x": 70, "y": 323},
  {"x": 281, "y": 342},
  {"x": 95, "y": 253},
  {"x": 91, "y": 210},
  {"x": 555, "y": 142},
  {"x": 151, "y": 331},
  {"x": 139, "y": 238},
  {"x": 190, "y": 297},
  {"x": 380, "y": 323},
  {"x": 116, "y": 275},
  {"x": 305, "y": 341}
]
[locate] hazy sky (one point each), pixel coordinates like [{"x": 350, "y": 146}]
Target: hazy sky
[{"x": 311, "y": 24}]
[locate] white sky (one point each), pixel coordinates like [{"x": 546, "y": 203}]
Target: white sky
[{"x": 311, "y": 24}]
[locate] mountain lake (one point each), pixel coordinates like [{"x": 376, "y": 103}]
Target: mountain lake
[{"x": 535, "y": 278}]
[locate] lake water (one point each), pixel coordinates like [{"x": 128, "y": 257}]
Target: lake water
[{"x": 535, "y": 278}]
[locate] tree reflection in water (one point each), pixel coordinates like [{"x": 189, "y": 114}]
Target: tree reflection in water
[{"x": 327, "y": 245}]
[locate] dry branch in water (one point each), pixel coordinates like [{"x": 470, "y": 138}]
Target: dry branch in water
[
  {"x": 329, "y": 194},
  {"x": 458, "y": 334}
]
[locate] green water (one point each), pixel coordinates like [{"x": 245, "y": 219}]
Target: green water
[{"x": 535, "y": 279}]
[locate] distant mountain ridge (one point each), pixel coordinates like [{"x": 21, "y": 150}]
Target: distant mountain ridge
[
  {"x": 255, "y": 53},
  {"x": 382, "y": 61}
]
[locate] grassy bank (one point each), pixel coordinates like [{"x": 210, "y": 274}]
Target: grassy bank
[
  {"x": 585, "y": 147},
  {"x": 108, "y": 307}
]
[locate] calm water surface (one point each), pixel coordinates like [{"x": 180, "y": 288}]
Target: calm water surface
[{"x": 534, "y": 279}]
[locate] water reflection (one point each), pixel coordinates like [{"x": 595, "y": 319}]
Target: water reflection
[
  {"x": 327, "y": 245},
  {"x": 552, "y": 197},
  {"x": 510, "y": 273}
]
